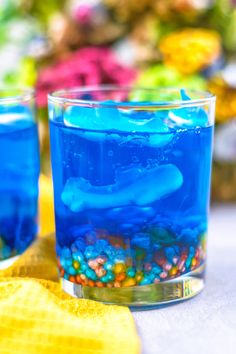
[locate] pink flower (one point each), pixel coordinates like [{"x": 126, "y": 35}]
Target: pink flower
[{"x": 86, "y": 67}]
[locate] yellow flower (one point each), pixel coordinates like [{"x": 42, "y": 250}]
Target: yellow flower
[{"x": 191, "y": 50}]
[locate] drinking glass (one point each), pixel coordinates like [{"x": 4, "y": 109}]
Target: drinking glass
[
  {"x": 19, "y": 172},
  {"x": 131, "y": 174}
]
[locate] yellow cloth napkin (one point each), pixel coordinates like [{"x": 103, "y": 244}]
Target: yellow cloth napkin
[{"x": 37, "y": 317}]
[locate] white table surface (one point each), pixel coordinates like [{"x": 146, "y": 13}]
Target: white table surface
[{"x": 206, "y": 323}]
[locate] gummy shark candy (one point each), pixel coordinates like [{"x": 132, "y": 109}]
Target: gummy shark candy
[{"x": 135, "y": 186}]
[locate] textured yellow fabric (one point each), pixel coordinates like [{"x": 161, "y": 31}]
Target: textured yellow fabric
[
  {"x": 37, "y": 317},
  {"x": 39, "y": 261}
]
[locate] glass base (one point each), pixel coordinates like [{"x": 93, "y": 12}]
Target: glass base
[
  {"x": 181, "y": 288},
  {"x": 6, "y": 263}
]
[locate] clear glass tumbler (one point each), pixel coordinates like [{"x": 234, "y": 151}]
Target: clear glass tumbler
[
  {"x": 131, "y": 174},
  {"x": 19, "y": 172}
]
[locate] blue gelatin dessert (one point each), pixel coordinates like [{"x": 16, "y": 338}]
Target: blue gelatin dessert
[
  {"x": 131, "y": 189},
  {"x": 19, "y": 172}
]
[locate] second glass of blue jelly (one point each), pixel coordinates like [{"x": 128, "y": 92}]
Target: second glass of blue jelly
[{"x": 19, "y": 173}]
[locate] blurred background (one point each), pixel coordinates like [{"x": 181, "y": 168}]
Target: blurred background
[{"x": 178, "y": 43}]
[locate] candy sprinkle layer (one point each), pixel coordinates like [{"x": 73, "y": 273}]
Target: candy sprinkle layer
[{"x": 112, "y": 262}]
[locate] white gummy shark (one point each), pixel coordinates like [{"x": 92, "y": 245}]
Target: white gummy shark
[{"x": 134, "y": 186}]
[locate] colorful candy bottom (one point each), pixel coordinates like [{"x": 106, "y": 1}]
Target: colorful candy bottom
[
  {"x": 8, "y": 251},
  {"x": 15, "y": 238},
  {"x": 112, "y": 262},
  {"x": 168, "y": 291}
]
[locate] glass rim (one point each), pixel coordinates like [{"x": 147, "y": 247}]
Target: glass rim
[
  {"x": 16, "y": 94},
  {"x": 59, "y": 97}
]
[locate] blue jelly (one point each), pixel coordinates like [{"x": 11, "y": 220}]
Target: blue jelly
[
  {"x": 19, "y": 172},
  {"x": 132, "y": 189}
]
